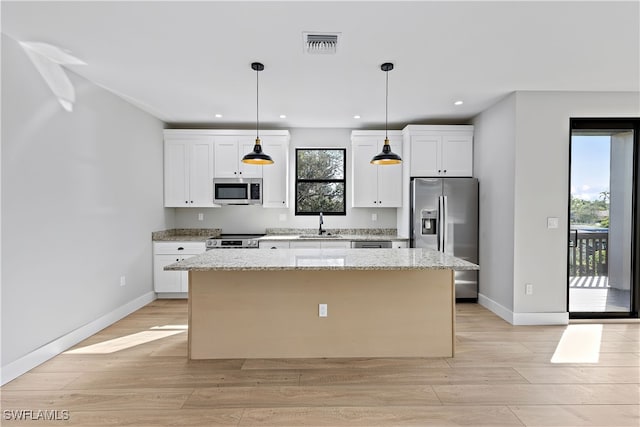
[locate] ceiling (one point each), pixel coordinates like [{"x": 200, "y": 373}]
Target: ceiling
[{"x": 184, "y": 62}]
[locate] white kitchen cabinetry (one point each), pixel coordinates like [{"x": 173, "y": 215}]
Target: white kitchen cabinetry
[
  {"x": 275, "y": 177},
  {"x": 273, "y": 244},
  {"x": 320, "y": 244},
  {"x": 228, "y": 153},
  {"x": 440, "y": 151},
  {"x": 374, "y": 185},
  {"x": 188, "y": 171},
  {"x": 399, "y": 244},
  {"x": 165, "y": 253}
]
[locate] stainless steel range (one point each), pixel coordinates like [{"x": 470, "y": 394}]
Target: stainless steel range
[{"x": 232, "y": 241}]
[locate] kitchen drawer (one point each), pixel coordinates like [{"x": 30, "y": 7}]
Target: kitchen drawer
[
  {"x": 270, "y": 244},
  {"x": 169, "y": 248}
]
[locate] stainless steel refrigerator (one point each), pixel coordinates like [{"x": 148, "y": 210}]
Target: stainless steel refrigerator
[{"x": 444, "y": 217}]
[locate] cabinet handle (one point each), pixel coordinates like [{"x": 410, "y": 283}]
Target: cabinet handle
[
  {"x": 445, "y": 171},
  {"x": 274, "y": 247},
  {"x": 374, "y": 202},
  {"x": 180, "y": 248},
  {"x": 177, "y": 259},
  {"x": 186, "y": 201},
  {"x": 240, "y": 173},
  {"x": 235, "y": 173},
  {"x": 439, "y": 170}
]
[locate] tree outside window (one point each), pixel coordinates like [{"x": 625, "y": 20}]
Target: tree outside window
[{"x": 320, "y": 181}]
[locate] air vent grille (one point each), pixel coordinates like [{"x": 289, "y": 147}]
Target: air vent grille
[{"x": 316, "y": 43}]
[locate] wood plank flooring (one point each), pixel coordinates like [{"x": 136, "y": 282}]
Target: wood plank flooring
[{"x": 135, "y": 373}]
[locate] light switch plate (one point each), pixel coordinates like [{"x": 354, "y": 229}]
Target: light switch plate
[
  {"x": 322, "y": 310},
  {"x": 553, "y": 222},
  {"x": 200, "y": 216}
]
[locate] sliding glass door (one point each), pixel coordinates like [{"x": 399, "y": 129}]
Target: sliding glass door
[{"x": 603, "y": 218}]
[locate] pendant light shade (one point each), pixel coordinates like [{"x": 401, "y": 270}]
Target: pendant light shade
[
  {"x": 257, "y": 157},
  {"x": 386, "y": 157}
]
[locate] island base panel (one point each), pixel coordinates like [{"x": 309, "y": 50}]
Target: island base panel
[{"x": 271, "y": 314}]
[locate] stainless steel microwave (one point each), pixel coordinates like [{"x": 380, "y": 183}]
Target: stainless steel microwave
[{"x": 237, "y": 191}]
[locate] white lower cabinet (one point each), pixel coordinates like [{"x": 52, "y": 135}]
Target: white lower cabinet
[
  {"x": 273, "y": 245},
  {"x": 399, "y": 244},
  {"x": 165, "y": 253},
  {"x": 321, "y": 244}
]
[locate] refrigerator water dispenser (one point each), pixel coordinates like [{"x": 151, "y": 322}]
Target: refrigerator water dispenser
[{"x": 429, "y": 222}]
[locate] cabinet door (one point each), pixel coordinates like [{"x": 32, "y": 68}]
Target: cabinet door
[
  {"x": 399, "y": 244},
  {"x": 245, "y": 146},
  {"x": 457, "y": 155},
  {"x": 304, "y": 244},
  {"x": 390, "y": 181},
  {"x": 426, "y": 155},
  {"x": 364, "y": 192},
  {"x": 176, "y": 175},
  {"x": 275, "y": 177},
  {"x": 333, "y": 244},
  {"x": 201, "y": 174},
  {"x": 273, "y": 245},
  {"x": 226, "y": 157},
  {"x": 166, "y": 281}
]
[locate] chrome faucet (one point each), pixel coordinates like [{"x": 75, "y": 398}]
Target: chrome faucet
[{"x": 320, "y": 230}]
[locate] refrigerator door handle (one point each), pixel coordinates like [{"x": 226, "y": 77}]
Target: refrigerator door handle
[
  {"x": 445, "y": 221},
  {"x": 441, "y": 214}
]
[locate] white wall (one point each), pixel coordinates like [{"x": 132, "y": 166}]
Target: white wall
[
  {"x": 540, "y": 190},
  {"x": 254, "y": 219},
  {"x": 81, "y": 194},
  {"x": 494, "y": 164}
]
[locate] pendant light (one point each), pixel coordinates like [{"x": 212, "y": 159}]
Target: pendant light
[
  {"x": 386, "y": 157},
  {"x": 257, "y": 157}
]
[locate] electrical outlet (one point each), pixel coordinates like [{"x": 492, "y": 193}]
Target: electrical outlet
[
  {"x": 553, "y": 222},
  {"x": 374, "y": 217},
  {"x": 200, "y": 216},
  {"x": 322, "y": 310},
  {"x": 528, "y": 289},
  {"x": 123, "y": 281}
]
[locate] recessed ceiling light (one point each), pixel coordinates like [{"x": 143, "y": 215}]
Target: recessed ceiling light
[
  {"x": 283, "y": 116},
  {"x": 356, "y": 116},
  {"x": 458, "y": 103},
  {"x": 218, "y": 116}
]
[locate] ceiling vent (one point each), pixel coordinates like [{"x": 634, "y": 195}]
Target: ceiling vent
[{"x": 320, "y": 43}]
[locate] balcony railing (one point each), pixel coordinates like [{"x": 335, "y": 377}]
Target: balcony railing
[{"x": 588, "y": 253}]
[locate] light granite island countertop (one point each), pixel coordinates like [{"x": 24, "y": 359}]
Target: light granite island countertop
[
  {"x": 322, "y": 259},
  {"x": 251, "y": 303}
]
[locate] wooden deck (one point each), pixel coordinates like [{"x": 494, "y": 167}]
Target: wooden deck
[
  {"x": 593, "y": 294},
  {"x": 135, "y": 373}
]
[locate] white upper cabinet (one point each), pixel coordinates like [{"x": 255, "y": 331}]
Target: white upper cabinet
[
  {"x": 193, "y": 157},
  {"x": 375, "y": 185},
  {"x": 275, "y": 177},
  {"x": 188, "y": 171},
  {"x": 440, "y": 151},
  {"x": 229, "y": 151}
]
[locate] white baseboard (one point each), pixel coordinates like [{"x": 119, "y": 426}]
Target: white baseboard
[
  {"x": 26, "y": 363},
  {"x": 173, "y": 295},
  {"x": 561, "y": 318}
]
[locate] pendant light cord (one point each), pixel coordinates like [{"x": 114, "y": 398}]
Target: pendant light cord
[
  {"x": 257, "y": 99},
  {"x": 386, "y": 106}
]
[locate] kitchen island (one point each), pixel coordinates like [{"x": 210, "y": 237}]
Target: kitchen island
[{"x": 249, "y": 303}]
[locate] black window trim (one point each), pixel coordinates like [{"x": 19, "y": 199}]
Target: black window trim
[{"x": 343, "y": 212}]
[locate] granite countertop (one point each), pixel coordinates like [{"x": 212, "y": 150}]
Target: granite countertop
[
  {"x": 185, "y": 234},
  {"x": 370, "y": 234},
  {"x": 322, "y": 259}
]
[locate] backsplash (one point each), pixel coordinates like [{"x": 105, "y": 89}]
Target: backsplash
[{"x": 256, "y": 219}]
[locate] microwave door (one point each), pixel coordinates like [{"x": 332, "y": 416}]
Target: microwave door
[{"x": 230, "y": 193}]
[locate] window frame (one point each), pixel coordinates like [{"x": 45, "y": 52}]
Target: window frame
[{"x": 343, "y": 212}]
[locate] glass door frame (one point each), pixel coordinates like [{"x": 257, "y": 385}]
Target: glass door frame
[{"x": 631, "y": 123}]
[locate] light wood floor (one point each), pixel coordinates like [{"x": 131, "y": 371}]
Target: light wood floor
[{"x": 135, "y": 373}]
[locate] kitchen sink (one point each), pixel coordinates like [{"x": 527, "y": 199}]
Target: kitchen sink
[{"x": 318, "y": 236}]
